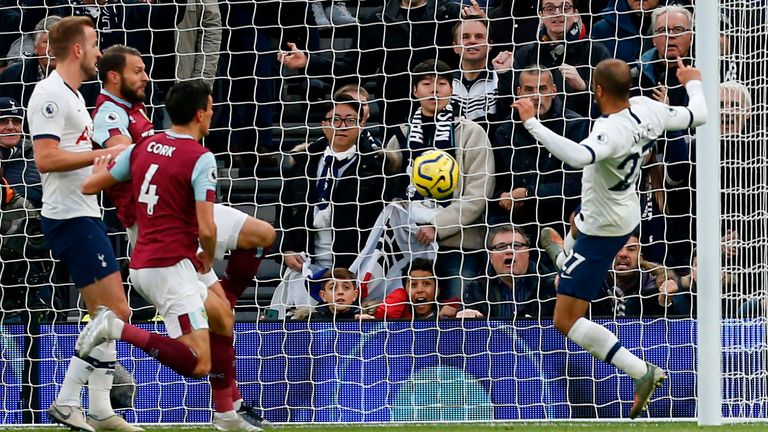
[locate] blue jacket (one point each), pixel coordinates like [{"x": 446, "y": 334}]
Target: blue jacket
[{"x": 619, "y": 32}]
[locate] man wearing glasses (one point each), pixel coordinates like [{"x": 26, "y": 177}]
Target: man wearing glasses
[
  {"x": 512, "y": 289},
  {"x": 564, "y": 48},
  {"x": 333, "y": 195},
  {"x": 672, "y": 34}
]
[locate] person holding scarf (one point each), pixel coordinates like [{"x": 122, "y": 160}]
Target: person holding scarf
[
  {"x": 458, "y": 222},
  {"x": 564, "y": 47},
  {"x": 333, "y": 194}
]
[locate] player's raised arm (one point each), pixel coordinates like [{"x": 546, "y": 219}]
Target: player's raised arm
[
  {"x": 106, "y": 173},
  {"x": 574, "y": 154},
  {"x": 695, "y": 114}
]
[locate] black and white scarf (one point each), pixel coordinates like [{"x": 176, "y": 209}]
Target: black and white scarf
[{"x": 440, "y": 135}]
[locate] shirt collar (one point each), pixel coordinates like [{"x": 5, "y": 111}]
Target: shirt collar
[{"x": 117, "y": 99}]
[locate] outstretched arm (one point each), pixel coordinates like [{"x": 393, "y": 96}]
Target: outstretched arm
[{"x": 577, "y": 155}]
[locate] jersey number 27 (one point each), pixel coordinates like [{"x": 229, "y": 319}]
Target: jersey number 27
[{"x": 148, "y": 194}]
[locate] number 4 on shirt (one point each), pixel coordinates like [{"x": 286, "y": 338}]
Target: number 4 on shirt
[{"x": 148, "y": 194}]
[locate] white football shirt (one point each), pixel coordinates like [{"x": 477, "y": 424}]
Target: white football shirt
[
  {"x": 58, "y": 111},
  {"x": 615, "y": 152}
]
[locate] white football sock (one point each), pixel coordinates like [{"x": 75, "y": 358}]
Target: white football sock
[
  {"x": 605, "y": 346},
  {"x": 101, "y": 381},
  {"x": 237, "y": 404},
  {"x": 76, "y": 377}
]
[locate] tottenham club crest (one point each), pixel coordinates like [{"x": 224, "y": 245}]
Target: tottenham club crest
[{"x": 50, "y": 109}]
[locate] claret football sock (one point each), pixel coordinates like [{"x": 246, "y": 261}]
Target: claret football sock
[
  {"x": 222, "y": 374},
  {"x": 242, "y": 267},
  {"x": 167, "y": 351}
]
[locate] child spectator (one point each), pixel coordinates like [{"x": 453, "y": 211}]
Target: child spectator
[
  {"x": 340, "y": 296},
  {"x": 417, "y": 297}
]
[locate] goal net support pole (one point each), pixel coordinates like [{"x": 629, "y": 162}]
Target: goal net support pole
[{"x": 709, "y": 370}]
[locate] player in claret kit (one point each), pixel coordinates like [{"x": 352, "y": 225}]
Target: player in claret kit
[
  {"x": 612, "y": 156},
  {"x": 173, "y": 179},
  {"x": 120, "y": 117},
  {"x": 72, "y": 228}
]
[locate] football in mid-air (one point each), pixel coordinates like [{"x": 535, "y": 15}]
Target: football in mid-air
[{"x": 435, "y": 174}]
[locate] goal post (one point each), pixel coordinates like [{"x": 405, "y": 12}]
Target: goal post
[{"x": 709, "y": 405}]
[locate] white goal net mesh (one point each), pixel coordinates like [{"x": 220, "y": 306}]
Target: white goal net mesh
[{"x": 288, "y": 77}]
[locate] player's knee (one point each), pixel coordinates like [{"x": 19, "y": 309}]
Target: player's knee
[
  {"x": 563, "y": 322},
  {"x": 203, "y": 367},
  {"x": 223, "y": 321},
  {"x": 255, "y": 234}
]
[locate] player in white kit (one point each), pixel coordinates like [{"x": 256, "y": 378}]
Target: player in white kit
[
  {"x": 72, "y": 228},
  {"x": 612, "y": 157}
]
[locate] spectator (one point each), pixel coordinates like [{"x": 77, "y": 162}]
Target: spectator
[
  {"x": 672, "y": 37},
  {"x": 735, "y": 109},
  {"x": 564, "y": 47},
  {"x": 512, "y": 289},
  {"x": 535, "y": 188},
  {"x": 475, "y": 87},
  {"x": 17, "y": 160},
  {"x": 388, "y": 46},
  {"x": 457, "y": 226},
  {"x": 621, "y": 30},
  {"x": 25, "y": 46},
  {"x": 640, "y": 288},
  {"x": 418, "y": 297},
  {"x": 513, "y": 24},
  {"x": 332, "y": 197},
  {"x": 329, "y": 13},
  {"x": 18, "y": 80},
  {"x": 341, "y": 298}
]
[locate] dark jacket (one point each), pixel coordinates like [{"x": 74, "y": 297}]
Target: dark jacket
[
  {"x": 583, "y": 54},
  {"x": 18, "y": 167},
  {"x": 533, "y": 296},
  {"x": 388, "y": 48},
  {"x": 356, "y": 199},
  {"x": 638, "y": 298},
  {"x": 620, "y": 32},
  {"x": 521, "y": 162},
  {"x": 323, "y": 312},
  {"x": 512, "y": 24},
  {"x": 18, "y": 81},
  {"x": 653, "y": 71}
]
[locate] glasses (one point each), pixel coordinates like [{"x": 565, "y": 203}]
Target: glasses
[
  {"x": 672, "y": 31},
  {"x": 12, "y": 120},
  {"x": 551, "y": 9},
  {"x": 339, "y": 121},
  {"x": 501, "y": 247}
]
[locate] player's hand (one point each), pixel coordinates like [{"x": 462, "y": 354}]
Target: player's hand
[
  {"x": 473, "y": 10},
  {"x": 469, "y": 313},
  {"x": 686, "y": 73},
  {"x": 116, "y": 150},
  {"x": 293, "y": 261},
  {"x": 205, "y": 262},
  {"x": 524, "y": 108},
  {"x": 293, "y": 59},
  {"x": 503, "y": 61},
  {"x": 572, "y": 77},
  {"x": 661, "y": 93},
  {"x": 426, "y": 235},
  {"x": 518, "y": 195},
  {"x": 101, "y": 163}
]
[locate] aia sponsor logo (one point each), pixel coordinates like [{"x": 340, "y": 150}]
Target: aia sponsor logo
[{"x": 85, "y": 136}]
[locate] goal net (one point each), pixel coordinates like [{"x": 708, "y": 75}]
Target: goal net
[{"x": 287, "y": 78}]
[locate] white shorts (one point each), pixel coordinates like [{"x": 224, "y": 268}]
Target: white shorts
[
  {"x": 229, "y": 223},
  {"x": 176, "y": 294}
]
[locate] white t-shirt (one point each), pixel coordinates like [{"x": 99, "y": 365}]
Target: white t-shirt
[
  {"x": 613, "y": 154},
  {"x": 58, "y": 112}
]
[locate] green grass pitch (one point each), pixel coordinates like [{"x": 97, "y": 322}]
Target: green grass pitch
[{"x": 456, "y": 427}]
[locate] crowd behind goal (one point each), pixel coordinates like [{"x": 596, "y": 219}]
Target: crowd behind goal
[{"x": 288, "y": 77}]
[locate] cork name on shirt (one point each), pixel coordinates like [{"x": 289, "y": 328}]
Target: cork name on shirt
[{"x": 161, "y": 149}]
